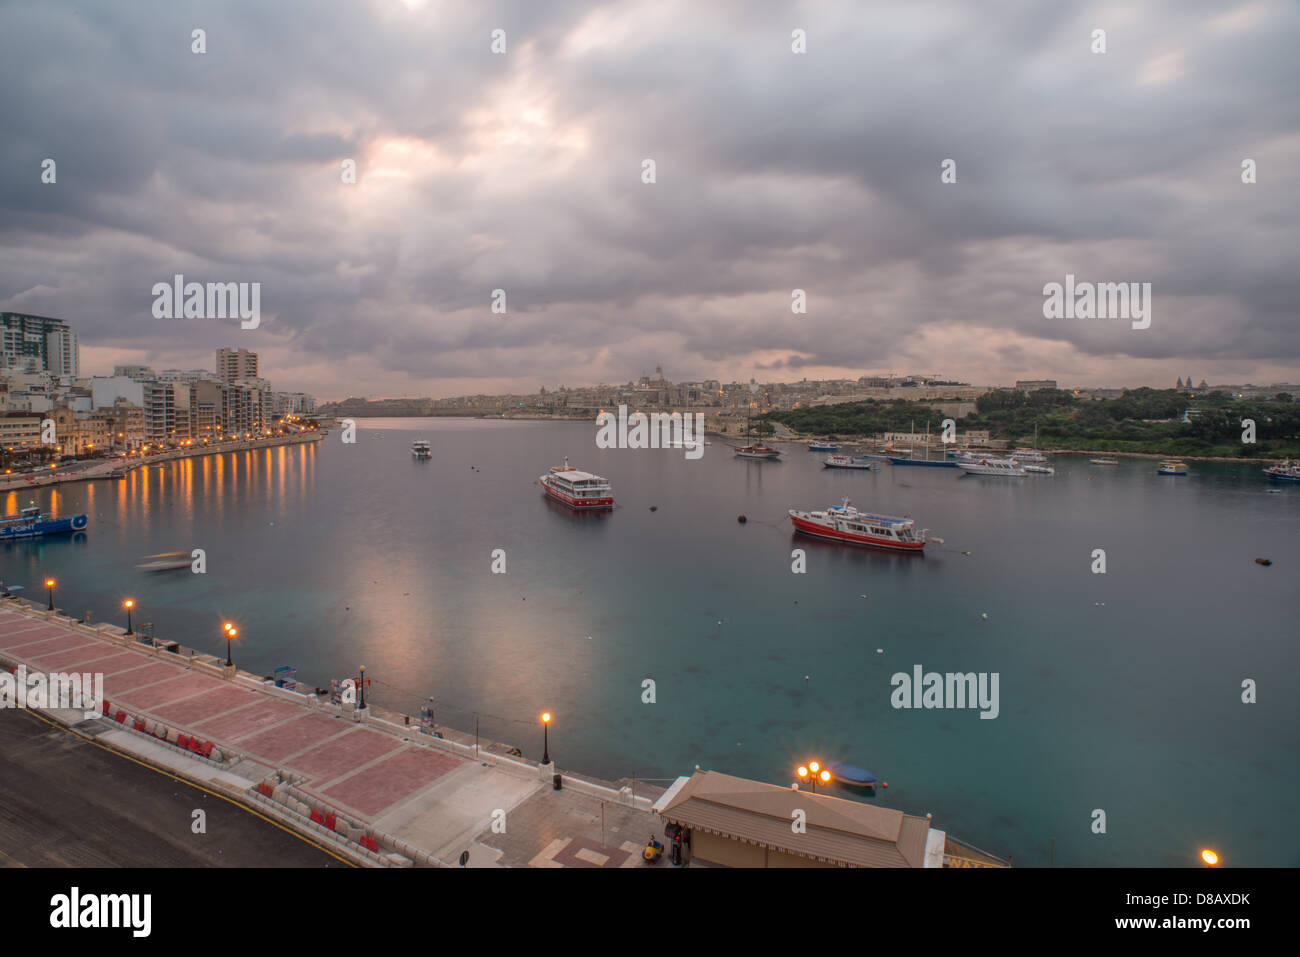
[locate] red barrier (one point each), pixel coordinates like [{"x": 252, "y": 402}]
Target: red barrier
[
  {"x": 316, "y": 816},
  {"x": 182, "y": 740},
  {"x": 138, "y": 725},
  {"x": 264, "y": 788},
  {"x": 105, "y": 706},
  {"x": 370, "y": 844},
  {"x": 120, "y": 717},
  {"x": 329, "y": 821},
  {"x": 206, "y": 749}
]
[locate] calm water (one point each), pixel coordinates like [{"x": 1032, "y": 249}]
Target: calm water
[{"x": 1118, "y": 691}]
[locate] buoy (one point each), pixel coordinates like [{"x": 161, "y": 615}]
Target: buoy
[
  {"x": 654, "y": 508},
  {"x": 741, "y": 519},
  {"x": 862, "y": 596},
  {"x": 1263, "y": 561},
  {"x": 985, "y": 615},
  {"x": 885, "y": 784}
]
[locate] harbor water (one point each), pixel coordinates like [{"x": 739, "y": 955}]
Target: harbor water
[{"x": 1120, "y": 692}]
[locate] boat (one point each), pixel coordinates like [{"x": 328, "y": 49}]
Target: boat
[
  {"x": 910, "y": 459},
  {"x": 1171, "y": 467},
  {"x": 991, "y": 466},
  {"x": 850, "y": 775},
  {"x": 1284, "y": 471},
  {"x": 577, "y": 489},
  {"x": 166, "y": 561},
  {"x": 1104, "y": 461},
  {"x": 1039, "y": 469},
  {"x": 30, "y": 523},
  {"x": 849, "y": 462},
  {"x": 421, "y": 449},
  {"x": 844, "y": 523},
  {"x": 1029, "y": 457},
  {"x": 756, "y": 449},
  {"x": 823, "y": 447}
]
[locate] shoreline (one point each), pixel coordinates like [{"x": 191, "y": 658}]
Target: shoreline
[{"x": 120, "y": 468}]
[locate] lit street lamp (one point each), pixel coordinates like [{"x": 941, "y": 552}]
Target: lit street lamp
[
  {"x": 812, "y": 773},
  {"x": 129, "y": 604},
  {"x": 231, "y": 631},
  {"x": 546, "y": 739},
  {"x": 49, "y": 584}
]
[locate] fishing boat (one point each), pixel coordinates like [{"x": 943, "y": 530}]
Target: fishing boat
[
  {"x": 1104, "y": 461},
  {"x": 577, "y": 489},
  {"x": 849, "y": 462},
  {"x": 991, "y": 466},
  {"x": 1171, "y": 467},
  {"x": 29, "y": 523},
  {"x": 1284, "y": 471},
  {"x": 850, "y": 775},
  {"x": 755, "y": 449},
  {"x": 166, "y": 562},
  {"x": 823, "y": 447},
  {"x": 421, "y": 449},
  {"x": 844, "y": 523}
]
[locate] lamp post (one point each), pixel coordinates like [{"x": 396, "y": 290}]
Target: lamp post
[
  {"x": 49, "y": 584},
  {"x": 813, "y": 772},
  {"x": 362, "y": 706},
  {"x": 1210, "y": 858},
  {"x": 129, "y": 604},
  {"x": 231, "y": 631},
  {"x": 546, "y": 738}
]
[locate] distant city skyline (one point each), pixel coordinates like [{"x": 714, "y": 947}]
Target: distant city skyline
[{"x": 921, "y": 205}]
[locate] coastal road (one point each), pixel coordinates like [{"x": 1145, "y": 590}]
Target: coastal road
[{"x": 68, "y": 802}]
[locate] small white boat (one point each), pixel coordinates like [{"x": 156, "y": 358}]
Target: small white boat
[
  {"x": 849, "y": 462},
  {"x": 421, "y": 449},
  {"x": 1039, "y": 469},
  {"x": 1104, "y": 461},
  {"x": 1171, "y": 467}
]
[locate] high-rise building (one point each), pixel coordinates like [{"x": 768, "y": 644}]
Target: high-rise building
[
  {"x": 24, "y": 335},
  {"x": 235, "y": 364},
  {"x": 62, "y": 356}
]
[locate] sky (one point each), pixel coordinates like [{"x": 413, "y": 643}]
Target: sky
[{"x": 774, "y": 170}]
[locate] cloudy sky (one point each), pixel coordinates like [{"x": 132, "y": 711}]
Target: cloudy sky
[{"x": 774, "y": 171}]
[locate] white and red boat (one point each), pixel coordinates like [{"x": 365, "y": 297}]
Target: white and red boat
[
  {"x": 576, "y": 488},
  {"x": 844, "y": 523}
]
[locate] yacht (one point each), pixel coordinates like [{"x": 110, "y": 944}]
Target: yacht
[
  {"x": 844, "y": 523},
  {"x": 990, "y": 466},
  {"x": 849, "y": 462}
]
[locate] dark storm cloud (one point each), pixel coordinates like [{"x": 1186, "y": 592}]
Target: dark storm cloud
[{"x": 775, "y": 172}]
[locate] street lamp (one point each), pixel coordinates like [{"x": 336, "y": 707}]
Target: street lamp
[
  {"x": 812, "y": 773},
  {"x": 128, "y": 604},
  {"x": 546, "y": 738},
  {"x": 1210, "y": 858},
  {"x": 49, "y": 583},
  {"x": 231, "y": 631},
  {"x": 363, "y": 688}
]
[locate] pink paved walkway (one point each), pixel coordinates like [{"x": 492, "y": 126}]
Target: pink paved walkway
[{"x": 353, "y": 767}]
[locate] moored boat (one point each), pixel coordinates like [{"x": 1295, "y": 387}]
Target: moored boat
[
  {"x": 421, "y": 449},
  {"x": 577, "y": 489},
  {"x": 29, "y": 523},
  {"x": 1284, "y": 471},
  {"x": 849, "y": 462},
  {"x": 848, "y": 774},
  {"x": 1104, "y": 461},
  {"x": 1039, "y": 469},
  {"x": 823, "y": 447},
  {"x": 844, "y": 523},
  {"x": 991, "y": 466},
  {"x": 1171, "y": 467}
]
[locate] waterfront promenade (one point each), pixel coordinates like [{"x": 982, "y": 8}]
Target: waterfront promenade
[
  {"x": 85, "y": 471},
  {"x": 366, "y": 784}
]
